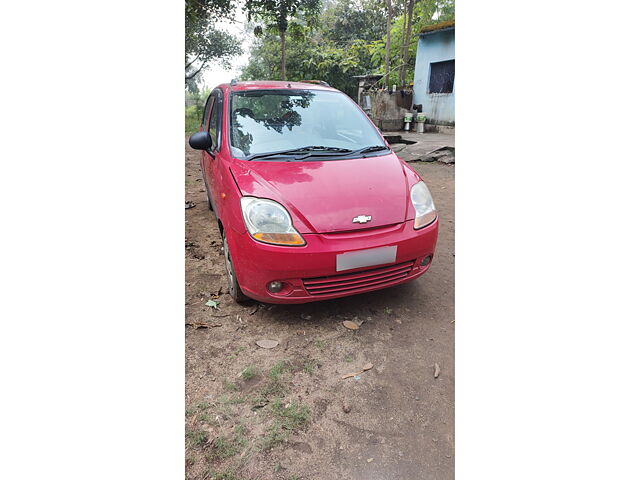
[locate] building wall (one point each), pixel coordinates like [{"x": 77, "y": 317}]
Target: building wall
[{"x": 434, "y": 47}]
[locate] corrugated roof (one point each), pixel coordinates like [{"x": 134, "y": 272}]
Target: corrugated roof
[{"x": 438, "y": 26}]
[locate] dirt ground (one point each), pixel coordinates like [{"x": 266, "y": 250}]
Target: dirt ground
[{"x": 286, "y": 413}]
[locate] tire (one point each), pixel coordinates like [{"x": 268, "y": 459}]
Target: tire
[{"x": 234, "y": 289}]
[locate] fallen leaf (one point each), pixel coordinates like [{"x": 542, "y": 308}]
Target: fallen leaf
[
  {"x": 212, "y": 303},
  {"x": 267, "y": 343},
  {"x": 350, "y": 325},
  {"x": 369, "y": 460},
  {"x": 436, "y": 371}
]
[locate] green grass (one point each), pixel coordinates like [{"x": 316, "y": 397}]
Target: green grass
[
  {"x": 249, "y": 372},
  {"x": 310, "y": 366},
  {"x": 226, "y": 475},
  {"x": 231, "y": 386},
  {"x": 224, "y": 448},
  {"x": 286, "y": 420},
  {"x": 279, "y": 369},
  {"x": 321, "y": 344},
  {"x": 197, "y": 437}
]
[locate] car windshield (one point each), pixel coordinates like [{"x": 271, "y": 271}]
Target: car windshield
[{"x": 267, "y": 121}]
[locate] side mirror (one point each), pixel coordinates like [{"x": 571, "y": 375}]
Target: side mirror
[{"x": 201, "y": 141}]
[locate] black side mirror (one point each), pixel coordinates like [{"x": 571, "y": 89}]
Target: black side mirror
[{"x": 201, "y": 141}]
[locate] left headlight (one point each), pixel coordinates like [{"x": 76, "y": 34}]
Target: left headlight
[
  {"x": 423, "y": 205},
  {"x": 269, "y": 222}
]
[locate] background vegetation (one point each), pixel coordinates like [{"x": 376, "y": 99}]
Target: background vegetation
[{"x": 330, "y": 40}]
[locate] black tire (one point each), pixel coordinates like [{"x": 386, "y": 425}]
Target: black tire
[{"x": 234, "y": 289}]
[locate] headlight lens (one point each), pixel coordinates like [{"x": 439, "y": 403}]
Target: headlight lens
[
  {"x": 423, "y": 204},
  {"x": 269, "y": 222}
]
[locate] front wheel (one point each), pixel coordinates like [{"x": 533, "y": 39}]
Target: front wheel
[{"x": 234, "y": 288}]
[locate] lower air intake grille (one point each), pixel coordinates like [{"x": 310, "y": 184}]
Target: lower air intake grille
[{"x": 354, "y": 281}]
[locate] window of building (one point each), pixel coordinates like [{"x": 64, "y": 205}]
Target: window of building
[{"x": 441, "y": 79}]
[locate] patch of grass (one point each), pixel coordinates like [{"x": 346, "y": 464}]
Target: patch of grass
[
  {"x": 249, "y": 372},
  {"x": 310, "y": 366},
  {"x": 197, "y": 437},
  {"x": 348, "y": 359},
  {"x": 204, "y": 405},
  {"x": 279, "y": 369},
  {"x": 292, "y": 417},
  {"x": 239, "y": 435},
  {"x": 226, "y": 475},
  {"x": 287, "y": 420},
  {"x": 231, "y": 386},
  {"x": 205, "y": 417},
  {"x": 224, "y": 448},
  {"x": 388, "y": 310},
  {"x": 321, "y": 344}
]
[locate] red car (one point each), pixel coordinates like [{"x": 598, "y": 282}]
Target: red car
[{"x": 311, "y": 202}]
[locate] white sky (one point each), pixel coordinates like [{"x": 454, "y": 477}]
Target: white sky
[{"x": 215, "y": 74}]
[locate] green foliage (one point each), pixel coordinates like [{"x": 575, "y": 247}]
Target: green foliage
[
  {"x": 191, "y": 120},
  {"x": 350, "y": 40},
  {"x": 204, "y": 44}
]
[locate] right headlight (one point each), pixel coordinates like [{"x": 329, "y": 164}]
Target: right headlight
[
  {"x": 423, "y": 205},
  {"x": 269, "y": 222}
]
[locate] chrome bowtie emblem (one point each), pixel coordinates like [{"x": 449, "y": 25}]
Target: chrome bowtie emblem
[{"x": 362, "y": 219}]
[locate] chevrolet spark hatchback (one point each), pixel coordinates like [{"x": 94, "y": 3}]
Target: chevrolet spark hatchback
[{"x": 311, "y": 202}]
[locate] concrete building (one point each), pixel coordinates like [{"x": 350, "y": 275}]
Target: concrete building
[{"x": 433, "y": 81}]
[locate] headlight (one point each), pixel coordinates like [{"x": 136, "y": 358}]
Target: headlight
[
  {"x": 269, "y": 222},
  {"x": 423, "y": 204}
]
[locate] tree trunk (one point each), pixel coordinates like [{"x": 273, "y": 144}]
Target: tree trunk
[
  {"x": 404, "y": 35},
  {"x": 387, "y": 45},
  {"x": 406, "y": 41},
  {"x": 283, "y": 65}
]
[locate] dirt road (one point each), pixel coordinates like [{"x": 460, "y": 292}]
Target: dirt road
[{"x": 286, "y": 413}]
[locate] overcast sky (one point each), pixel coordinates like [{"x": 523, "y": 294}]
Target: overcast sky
[{"x": 215, "y": 74}]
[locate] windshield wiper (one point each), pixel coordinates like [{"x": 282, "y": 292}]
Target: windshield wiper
[
  {"x": 373, "y": 148},
  {"x": 295, "y": 151}
]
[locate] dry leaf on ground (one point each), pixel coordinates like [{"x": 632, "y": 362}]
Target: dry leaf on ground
[
  {"x": 350, "y": 325},
  {"x": 267, "y": 343},
  {"x": 436, "y": 371}
]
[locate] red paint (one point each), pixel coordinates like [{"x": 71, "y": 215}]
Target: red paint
[{"x": 322, "y": 198}]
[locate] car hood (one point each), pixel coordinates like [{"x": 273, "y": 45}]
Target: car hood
[{"x": 325, "y": 196}]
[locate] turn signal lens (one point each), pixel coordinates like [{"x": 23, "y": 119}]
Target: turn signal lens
[{"x": 280, "y": 238}]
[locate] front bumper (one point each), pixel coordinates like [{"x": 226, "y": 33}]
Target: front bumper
[{"x": 309, "y": 273}]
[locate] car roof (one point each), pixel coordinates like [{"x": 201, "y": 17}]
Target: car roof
[{"x": 274, "y": 84}]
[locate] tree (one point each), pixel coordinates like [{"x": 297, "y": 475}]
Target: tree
[
  {"x": 203, "y": 42},
  {"x": 387, "y": 46},
  {"x": 278, "y": 14}
]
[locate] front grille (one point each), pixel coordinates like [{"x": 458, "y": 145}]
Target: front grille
[{"x": 354, "y": 281}]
